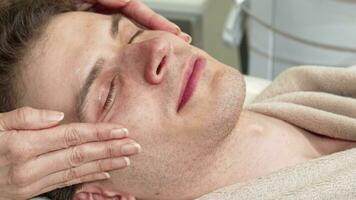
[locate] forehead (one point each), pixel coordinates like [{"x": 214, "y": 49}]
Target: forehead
[
  {"x": 69, "y": 38},
  {"x": 58, "y": 61},
  {"x": 69, "y": 23}
]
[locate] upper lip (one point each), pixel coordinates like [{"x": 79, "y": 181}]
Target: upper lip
[{"x": 187, "y": 73}]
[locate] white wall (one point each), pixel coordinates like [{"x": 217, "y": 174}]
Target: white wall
[
  {"x": 328, "y": 22},
  {"x": 216, "y": 15},
  {"x": 208, "y": 34}
]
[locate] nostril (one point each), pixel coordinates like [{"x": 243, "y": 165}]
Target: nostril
[{"x": 160, "y": 66}]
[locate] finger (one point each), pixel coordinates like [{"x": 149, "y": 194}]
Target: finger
[
  {"x": 147, "y": 17},
  {"x": 85, "y": 179},
  {"x": 108, "y": 4},
  {"x": 71, "y": 135},
  {"x": 84, "y": 155},
  {"x": 84, "y": 170},
  {"x": 139, "y": 12},
  {"x": 185, "y": 37},
  {"x": 29, "y": 119},
  {"x": 113, "y": 4},
  {"x": 84, "y": 6}
]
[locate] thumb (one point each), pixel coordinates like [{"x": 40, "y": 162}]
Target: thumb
[{"x": 29, "y": 119}]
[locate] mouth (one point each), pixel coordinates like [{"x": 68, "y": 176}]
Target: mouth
[{"x": 190, "y": 81}]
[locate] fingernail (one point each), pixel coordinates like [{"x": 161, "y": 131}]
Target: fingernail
[
  {"x": 129, "y": 149},
  {"x": 55, "y": 116},
  {"x": 186, "y": 37},
  {"x": 125, "y": 1},
  {"x": 119, "y": 133},
  {"x": 177, "y": 30},
  {"x": 107, "y": 175},
  {"x": 81, "y": 196},
  {"x": 120, "y": 162}
]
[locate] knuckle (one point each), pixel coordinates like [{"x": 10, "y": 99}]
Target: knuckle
[
  {"x": 24, "y": 114},
  {"x": 153, "y": 19},
  {"x": 134, "y": 6},
  {"x": 43, "y": 115},
  {"x": 26, "y": 109},
  {"x": 63, "y": 185},
  {"x": 98, "y": 133},
  {"x": 24, "y": 192},
  {"x": 76, "y": 157},
  {"x": 100, "y": 166},
  {"x": 18, "y": 177},
  {"x": 110, "y": 150},
  {"x": 74, "y": 181},
  {"x": 18, "y": 151},
  {"x": 128, "y": 141},
  {"x": 71, "y": 174},
  {"x": 72, "y": 136}
]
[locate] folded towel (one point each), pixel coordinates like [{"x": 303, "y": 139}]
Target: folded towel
[
  {"x": 330, "y": 177},
  {"x": 321, "y": 100}
]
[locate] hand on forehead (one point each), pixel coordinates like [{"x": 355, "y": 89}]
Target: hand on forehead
[{"x": 135, "y": 10}]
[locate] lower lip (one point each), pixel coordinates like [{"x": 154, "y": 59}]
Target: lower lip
[{"x": 192, "y": 82}]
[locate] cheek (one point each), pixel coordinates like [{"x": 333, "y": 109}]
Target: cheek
[{"x": 140, "y": 115}]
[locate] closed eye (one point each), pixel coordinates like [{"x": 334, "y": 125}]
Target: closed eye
[{"x": 110, "y": 98}]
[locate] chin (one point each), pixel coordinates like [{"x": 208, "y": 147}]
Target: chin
[
  {"x": 230, "y": 96},
  {"x": 216, "y": 115}
]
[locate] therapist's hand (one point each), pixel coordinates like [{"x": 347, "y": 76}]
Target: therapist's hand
[
  {"x": 135, "y": 10},
  {"x": 38, "y": 155}
]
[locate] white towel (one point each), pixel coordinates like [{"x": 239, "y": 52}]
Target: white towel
[{"x": 321, "y": 100}]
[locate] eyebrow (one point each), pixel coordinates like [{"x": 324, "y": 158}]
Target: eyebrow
[
  {"x": 115, "y": 21},
  {"x": 94, "y": 73},
  {"x": 84, "y": 91}
]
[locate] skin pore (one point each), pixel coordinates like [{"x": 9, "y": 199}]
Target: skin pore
[{"x": 208, "y": 144}]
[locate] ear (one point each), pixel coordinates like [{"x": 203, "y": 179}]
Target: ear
[{"x": 93, "y": 192}]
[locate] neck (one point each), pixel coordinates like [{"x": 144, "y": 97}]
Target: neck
[
  {"x": 251, "y": 150},
  {"x": 260, "y": 145}
]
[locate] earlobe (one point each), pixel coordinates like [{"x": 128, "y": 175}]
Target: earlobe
[
  {"x": 96, "y": 196},
  {"x": 81, "y": 196},
  {"x": 128, "y": 197},
  {"x": 89, "y": 192},
  {"x": 96, "y": 192}
]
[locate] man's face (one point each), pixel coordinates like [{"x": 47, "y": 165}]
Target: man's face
[{"x": 176, "y": 100}]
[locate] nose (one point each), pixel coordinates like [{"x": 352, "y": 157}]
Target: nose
[
  {"x": 151, "y": 58},
  {"x": 158, "y": 52}
]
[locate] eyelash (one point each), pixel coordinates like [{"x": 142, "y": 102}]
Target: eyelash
[
  {"x": 138, "y": 32},
  {"x": 110, "y": 97}
]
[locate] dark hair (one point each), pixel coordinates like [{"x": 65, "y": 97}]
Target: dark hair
[{"x": 21, "y": 23}]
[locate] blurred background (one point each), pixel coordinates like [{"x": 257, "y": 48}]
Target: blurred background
[
  {"x": 204, "y": 20},
  {"x": 262, "y": 38}
]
